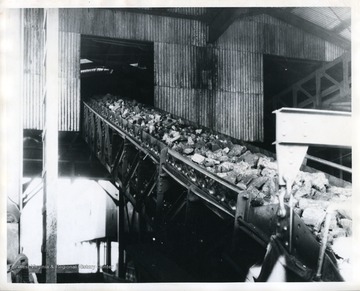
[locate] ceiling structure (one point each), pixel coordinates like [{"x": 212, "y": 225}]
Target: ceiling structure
[{"x": 330, "y": 23}]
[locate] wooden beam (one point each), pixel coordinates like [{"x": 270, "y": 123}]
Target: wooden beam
[
  {"x": 224, "y": 19},
  {"x": 308, "y": 26}
]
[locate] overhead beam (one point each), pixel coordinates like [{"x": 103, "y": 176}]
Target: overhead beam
[
  {"x": 308, "y": 26},
  {"x": 224, "y": 19},
  {"x": 342, "y": 25}
]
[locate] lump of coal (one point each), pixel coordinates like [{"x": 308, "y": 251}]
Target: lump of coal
[
  {"x": 237, "y": 150},
  {"x": 249, "y": 158},
  {"x": 225, "y": 167},
  {"x": 259, "y": 182}
]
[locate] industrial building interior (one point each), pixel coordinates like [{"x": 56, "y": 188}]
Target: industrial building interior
[{"x": 179, "y": 145}]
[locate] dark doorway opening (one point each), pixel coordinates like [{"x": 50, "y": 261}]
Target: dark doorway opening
[
  {"x": 118, "y": 67},
  {"x": 281, "y": 73}
]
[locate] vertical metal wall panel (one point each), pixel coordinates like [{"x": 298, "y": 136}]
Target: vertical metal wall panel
[
  {"x": 332, "y": 51},
  {"x": 33, "y": 69},
  {"x": 176, "y": 65},
  {"x": 239, "y": 96},
  {"x": 242, "y": 35},
  {"x": 238, "y": 114},
  {"x": 128, "y": 25},
  {"x": 69, "y": 78},
  {"x": 268, "y": 35},
  {"x": 181, "y": 102},
  {"x": 239, "y": 71},
  {"x": 203, "y": 107}
]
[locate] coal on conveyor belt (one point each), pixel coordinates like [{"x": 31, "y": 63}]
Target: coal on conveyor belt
[{"x": 254, "y": 172}]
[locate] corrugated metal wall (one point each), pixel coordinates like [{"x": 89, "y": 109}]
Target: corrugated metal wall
[
  {"x": 33, "y": 81},
  {"x": 219, "y": 85},
  {"x": 128, "y": 25},
  {"x": 69, "y": 78},
  {"x": 179, "y": 52},
  {"x": 69, "y": 74},
  {"x": 239, "y": 85}
]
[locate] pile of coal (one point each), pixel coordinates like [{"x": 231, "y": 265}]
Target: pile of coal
[{"x": 255, "y": 173}]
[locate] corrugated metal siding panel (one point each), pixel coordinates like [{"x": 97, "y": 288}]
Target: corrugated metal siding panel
[
  {"x": 127, "y": 25},
  {"x": 181, "y": 102},
  {"x": 239, "y": 71},
  {"x": 314, "y": 47},
  {"x": 179, "y": 66},
  {"x": 239, "y": 99},
  {"x": 332, "y": 51},
  {"x": 241, "y": 35},
  {"x": 33, "y": 79},
  {"x": 270, "y": 37},
  {"x": 69, "y": 79},
  {"x": 69, "y": 74},
  {"x": 69, "y": 19},
  {"x": 239, "y": 115},
  {"x": 205, "y": 109},
  {"x": 192, "y": 104}
]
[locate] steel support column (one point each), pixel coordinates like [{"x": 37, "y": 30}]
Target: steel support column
[
  {"x": 121, "y": 236},
  {"x": 108, "y": 255},
  {"x": 161, "y": 188},
  {"x": 50, "y": 143},
  {"x": 97, "y": 256}
]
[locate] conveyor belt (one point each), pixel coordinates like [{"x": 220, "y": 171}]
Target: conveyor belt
[{"x": 110, "y": 135}]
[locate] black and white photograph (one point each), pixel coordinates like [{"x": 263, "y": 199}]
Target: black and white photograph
[{"x": 178, "y": 145}]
